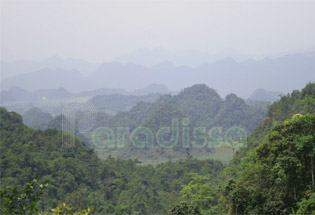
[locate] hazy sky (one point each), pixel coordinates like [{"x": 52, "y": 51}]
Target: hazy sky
[{"x": 98, "y": 30}]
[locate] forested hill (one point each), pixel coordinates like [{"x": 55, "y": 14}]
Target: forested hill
[
  {"x": 205, "y": 107},
  {"x": 201, "y": 105},
  {"x": 274, "y": 175},
  {"x": 299, "y": 101},
  {"x": 277, "y": 177},
  {"x": 27, "y": 154},
  {"x": 76, "y": 176}
]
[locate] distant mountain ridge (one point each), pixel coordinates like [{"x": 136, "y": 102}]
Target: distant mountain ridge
[
  {"x": 152, "y": 89},
  {"x": 192, "y": 58},
  {"x": 11, "y": 69},
  {"x": 264, "y": 96},
  {"x": 283, "y": 74},
  {"x": 20, "y": 94},
  {"x": 53, "y": 100}
]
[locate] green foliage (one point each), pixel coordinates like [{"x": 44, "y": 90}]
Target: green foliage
[
  {"x": 79, "y": 178},
  {"x": 307, "y": 204},
  {"x": 298, "y": 102},
  {"x": 183, "y": 208},
  {"x": 21, "y": 201},
  {"x": 277, "y": 174},
  {"x": 63, "y": 209},
  {"x": 200, "y": 193}
]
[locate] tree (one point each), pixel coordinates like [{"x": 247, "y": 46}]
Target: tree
[
  {"x": 200, "y": 197},
  {"x": 63, "y": 209},
  {"x": 183, "y": 208},
  {"x": 25, "y": 202},
  {"x": 278, "y": 173}
]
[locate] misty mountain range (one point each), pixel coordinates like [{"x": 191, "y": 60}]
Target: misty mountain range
[
  {"x": 11, "y": 69},
  {"x": 53, "y": 100},
  {"x": 19, "y": 94},
  {"x": 283, "y": 74},
  {"x": 145, "y": 56},
  {"x": 192, "y": 58}
]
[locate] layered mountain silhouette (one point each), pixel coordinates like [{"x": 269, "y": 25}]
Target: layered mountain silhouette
[
  {"x": 283, "y": 74},
  {"x": 11, "y": 69},
  {"x": 15, "y": 94},
  {"x": 151, "y": 57}
]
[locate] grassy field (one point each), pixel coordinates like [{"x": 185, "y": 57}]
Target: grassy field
[
  {"x": 154, "y": 157},
  {"x": 222, "y": 154}
]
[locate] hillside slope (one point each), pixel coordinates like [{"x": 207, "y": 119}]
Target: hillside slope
[{"x": 76, "y": 176}]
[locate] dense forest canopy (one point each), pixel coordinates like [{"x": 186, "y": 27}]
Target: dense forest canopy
[
  {"x": 274, "y": 174},
  {"x": 77, "y": 176}
]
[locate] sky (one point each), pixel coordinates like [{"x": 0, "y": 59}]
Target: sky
[{"x": 99, "y": 31}]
